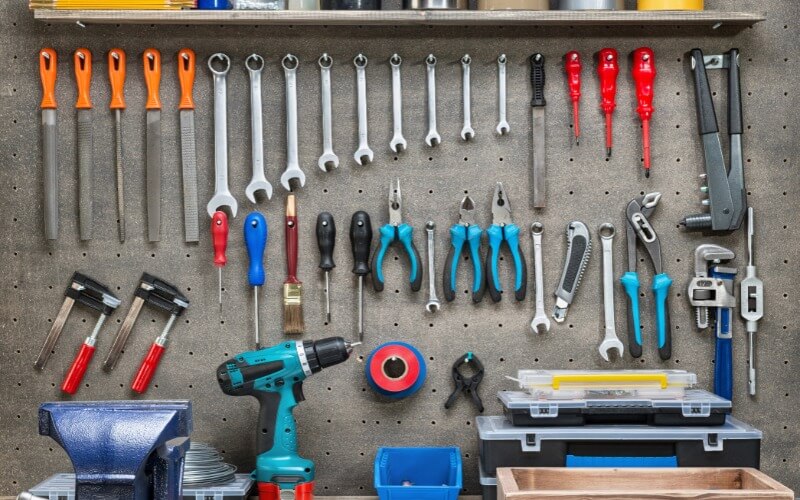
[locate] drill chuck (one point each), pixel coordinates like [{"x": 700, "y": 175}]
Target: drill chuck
[{"x": 326, "y": 352}]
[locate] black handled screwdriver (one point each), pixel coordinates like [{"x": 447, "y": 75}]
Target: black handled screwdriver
[
  {"x": 326, "y": 240},
  {"x": 361, "y": 241}
]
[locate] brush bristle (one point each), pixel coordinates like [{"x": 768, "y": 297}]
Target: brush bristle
[{"x": 293, "y": 323}]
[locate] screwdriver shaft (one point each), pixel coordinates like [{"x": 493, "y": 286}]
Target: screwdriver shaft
[
  {"x": 255, "y": 316},
  {"x": 361, "y": 308},
  {"x": 219, "y": 269},
  {"x": 327, "y": 296}
]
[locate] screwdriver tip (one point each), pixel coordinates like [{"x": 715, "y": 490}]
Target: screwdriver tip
[
  {"x": 647, "y": 174},
  {"x": 608, "y": 152},
  {"x": 328, "y": 318}
]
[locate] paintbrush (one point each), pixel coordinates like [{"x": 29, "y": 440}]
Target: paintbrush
[{"x": 293, "y": 323}]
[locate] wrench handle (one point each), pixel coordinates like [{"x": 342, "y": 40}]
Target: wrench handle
[
  {"x": 290, "y": 75},
  {"x": 397, "y": 101},
  {"x": 361, "y": 84},
  {"x": 501, "y": 89},
  {"x": 630, "y": 282},
  {"x": 661, "y": 285},
  {"x": 608, "y": 286},
  {"x": 220, "y": 133},
  {"x": 327, "y": 121},
  {"x": 723, "y": 362},
  {"x": 431, "y": 79},
  {"x": 538, "y": 271},
  {"x": 256, "y": 124}
]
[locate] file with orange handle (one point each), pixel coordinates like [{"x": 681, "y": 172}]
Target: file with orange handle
[
  {"x": 47, "y": 70},
  {"x": 83, "y": 78},
  {"x": 152, "y": 77},
  {"x": 186, "y": 63},
  {"x": 116, "y": 76}
]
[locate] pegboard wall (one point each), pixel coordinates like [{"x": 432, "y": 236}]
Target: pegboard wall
[{"x": 342, "y": 422}]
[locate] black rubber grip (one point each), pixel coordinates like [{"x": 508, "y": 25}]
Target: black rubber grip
[
  {"x": 361, "y": 241},
  {"x": 575, "y": 264},
  {"x": 417, "y": 283},
  {"x": 494, "y": 293},
  {"x": 735, "y": 122},
  {"x": 449, "y": 292},
  {"x": 665, "y": 352},
  {"x": 537, "y": 80},
  {"x": 706, "y": 115},
  {"x": 326, "y": 240}
]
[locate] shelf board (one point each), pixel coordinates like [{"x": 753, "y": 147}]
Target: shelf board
[{"x": 709, "y": 18}]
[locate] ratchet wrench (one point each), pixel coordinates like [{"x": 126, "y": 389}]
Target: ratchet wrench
[
  {"x": 502, "y": 126},
  {"x": 433, "y": 303},
  {"x": 222, "y": 194},
  {"x": 293, "y": 171},
  {"x": 398, "y": 141},
  {"x": 433, "y": 138},
  {"x": 540, "y": 323},
  {"x": 467, "y": 132},
  {"x": 255, "y": 65},
  {"x": 610, "y": 340},
  {"x": 328, "y": 161},
  {"x": 364, "y": 154}
]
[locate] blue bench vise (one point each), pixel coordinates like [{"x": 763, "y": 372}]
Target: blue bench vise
[{"x": 122, "y": 449}]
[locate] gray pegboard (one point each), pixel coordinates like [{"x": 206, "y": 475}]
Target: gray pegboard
[{"x": 342, "y": 422}]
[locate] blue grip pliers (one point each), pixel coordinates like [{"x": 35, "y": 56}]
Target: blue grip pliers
[
  {"x": 469, "y": 233},
  {"x": 504, "y": 229},
  {"x": 639, "y": 229},
  {"x": 396, "y": 232}
]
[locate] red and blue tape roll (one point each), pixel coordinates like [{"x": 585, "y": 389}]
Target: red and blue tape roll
[{"x": 396, "y": 370}]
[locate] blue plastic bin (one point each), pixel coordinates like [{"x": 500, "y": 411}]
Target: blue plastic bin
[{"x": 418, "y": 473}]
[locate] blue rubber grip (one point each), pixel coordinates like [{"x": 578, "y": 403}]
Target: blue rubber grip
[
  {"x": 630, "y": 282},
  {"x": 405, "y": 234},
  {"x": 723, "y": 362},
  {"x": 255, "y": 238},
  {"x": 512, "y": 238},
  {"x": 495, "y": 234},
  {"x": 387, "y": 237},
  {"x": 661, "y": 284},
  {"x": 457, "y": 239},
  {"x": 474, "y": 238}
]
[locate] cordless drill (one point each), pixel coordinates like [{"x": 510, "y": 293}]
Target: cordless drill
[{"x": 275, "y": 377}]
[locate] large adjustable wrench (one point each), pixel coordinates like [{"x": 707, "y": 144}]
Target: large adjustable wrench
[
  {"x": 433, "y": 138},
  {"x": 293, "y": 171},
  {"x": 328, "y": 160},
  {"x": 364, "y": 154},
  {"x": 398, "y": 141},
  {"x": 255, "y": 65},
  {"x": 222, "y": 193}
]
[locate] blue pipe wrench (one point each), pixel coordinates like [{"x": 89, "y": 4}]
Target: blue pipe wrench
[
  {"x": 504, "y": 229},
  {"x": 723, "y": 358},
  {"x": 396, "y": 232}
]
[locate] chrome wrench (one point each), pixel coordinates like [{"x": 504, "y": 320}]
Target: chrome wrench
[
  {"x": 398, "y": 141},
  {"x": 433, "y": 303},
  {"x": 433, "y": 138},
  {"x": 328, "y": 161},
  {"x": 364, "y": 154},
  {"x": 255, "y": 65},
  {"x": 293, "y": 171},
  {"x": 502, "y": 127},
  {"x": 467, "y": 133},
  {"x": 540, "y": 323},
  {"x": 222, "y": 193},
  {"x": 610, "y": 340}
]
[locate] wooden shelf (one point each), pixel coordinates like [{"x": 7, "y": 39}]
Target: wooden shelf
[{"x": 711, "y": 19}]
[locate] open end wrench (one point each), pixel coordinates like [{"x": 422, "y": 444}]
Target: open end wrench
[
  {"x": 467, "y": 132},
  {"x": 540, "y": 323},
  {"x": 364, "y": 154},
  {"x": 258, "y": 182},
  {"x": 433, "y": 138},
  {"x": 293, "y": 171},
  {"x": 433, "y": 303},
  {"x": 502, "y": 126},
  {"x": 398, "y": 141},
  {"x": 328, "y": 161},
  {"x": 222, "y": 193},
  {"x": 610, "y": 340}
]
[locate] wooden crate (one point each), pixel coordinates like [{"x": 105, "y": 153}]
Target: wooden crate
[{"x": 685, "y": 483}]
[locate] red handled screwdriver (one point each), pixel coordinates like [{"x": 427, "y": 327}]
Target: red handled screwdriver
[
  {"x": 608, "y": 71},
  {"x": 644, "y": 74},
  {"x": 573, "y": 67},
  {"x": 219, "y": 238}
]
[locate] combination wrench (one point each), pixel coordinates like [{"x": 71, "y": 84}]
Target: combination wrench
[
  {"x": 433, "y": 138},
  {"x": 398, "y": 141},
  {"x": 364, "y": 154},
  {"x": 328, "y": 161},
  {"x": 540, "y": 323},
  {"x": 467, "y": 133},
  {"x": 502, "y": 126},
  {"x": 222, "y": 193},
  {"x": 293, "y": 171},
  {"x": 258, "y": 182},
  {"x": 610, "y": 340},
  {"x": 433, "y": 303}
]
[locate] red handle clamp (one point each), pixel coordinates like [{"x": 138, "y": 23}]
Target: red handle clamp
[
  {"x": 75, "y": 373},
  {"x": 148, "y": 368}
]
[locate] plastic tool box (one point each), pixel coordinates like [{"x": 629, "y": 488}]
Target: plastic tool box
[
  {"x": 488, "y": 485},
  {"x": 578, "y": 384},
  {"x": 502, "y": 444},
  {"x": 418, "y": 473},
  {"x": 62, "y": 487},
  {"x": 695, "y": 407}
]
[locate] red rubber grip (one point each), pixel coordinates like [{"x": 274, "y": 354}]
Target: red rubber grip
[
  {"x": 219, "y": 235},
  {"x": 75, "y": 373},
  {"x": 573, "y": 67},
  {"x": 148, "y": 368},
  {"x": 608, "y": 71},
  {"x": 644, "y": 74}
]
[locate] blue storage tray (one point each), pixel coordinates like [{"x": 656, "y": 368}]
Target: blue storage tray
[{"x": 418, "y": 473}]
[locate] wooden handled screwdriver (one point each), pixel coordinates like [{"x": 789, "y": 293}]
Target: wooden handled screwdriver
[
  {"x": 48, "y": 71},
  {"x": 116, "y": 77}
]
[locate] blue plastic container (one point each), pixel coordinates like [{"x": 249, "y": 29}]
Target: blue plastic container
[
  {"x": 212, "y": 4},
  {"x": 418, "y": 473}
]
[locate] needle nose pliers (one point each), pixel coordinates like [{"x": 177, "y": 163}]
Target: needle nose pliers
[
  {"x": 393, "y": 232},
  {"x": 466, "y": 231},
  {"x": 504, "y": 229}
]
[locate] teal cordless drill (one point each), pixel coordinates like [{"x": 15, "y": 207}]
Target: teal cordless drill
[{"x": 275, "y": 377}]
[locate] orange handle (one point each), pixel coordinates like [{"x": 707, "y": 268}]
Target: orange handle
[
  {"x": 186, "y": 60},
  {"x": 116, "y": 75},
  {"x": 47, "y": 70},
  {"x": 152, "y": 77},
  {"x": 83, "y": 78}
]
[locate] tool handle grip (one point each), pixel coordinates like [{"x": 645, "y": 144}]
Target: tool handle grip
[
  {"x": 706, "y": 114},
  {"x": 78, "y": 368},
  {"x": 291, "y": 240},
  {"x": 152, "y": 77},
  {"x": 387, "y": 237},
  {"x": 661, "y": 284},
  {"x": 405, "y": 234},
  {"x": 116, "y": 77},
  {"x": 630, "y": 283},
  {"x": 735, "y": 122},
  {"x": 723, "y": 363},
  {"x": 326, "y": 240},
  {"x": 520, "y": 267},
  {"x": 186, "y": 63},
  {"x": 608, "y": 72},
  {"x": 573, "y": 67},
  {"x": 219, "y": 237},
  {"x": 48, "y": 70},
  {"x": 148, "y": 368},
  {"x": 495, "y": 235},
  {"x": 256, "y": 232},
  {"x": 644, "y": 75},
  {"x": 450, "y": 273},
  {"x": 83, "y": 78},
  {"x": 537, "y": 80},
  {"x": 361, "y": 242}
]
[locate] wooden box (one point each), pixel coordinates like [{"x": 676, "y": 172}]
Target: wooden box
[{"x": 640, "y": 484}]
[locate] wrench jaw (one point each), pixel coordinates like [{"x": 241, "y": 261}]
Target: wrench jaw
[
  {"x": 611, "y": 344},
  {"x": 398, "y": 144},
  {"x": 433, "y": 306},
  {"x": 467, "y": 133},
  {"x": 433, "y": 138},
  {"x": 363, "y": 156},
  {"x": 503, "y": 128},
  {"x": 293, "y": 177},
  {"x": 220, "y": 201},
  {"x": 328, "y": 162},
  {"x": 540, "y": 323},
  {"x": 255, "y": 186}
]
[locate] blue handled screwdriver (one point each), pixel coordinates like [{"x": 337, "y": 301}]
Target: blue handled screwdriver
[{"x": 255, "y": 238}]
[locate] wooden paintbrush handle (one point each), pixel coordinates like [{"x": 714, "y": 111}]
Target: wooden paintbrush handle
[{"x": 291, "y": 240}]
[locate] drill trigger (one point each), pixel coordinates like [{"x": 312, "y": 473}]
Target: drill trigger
[{"x": 297, "y": 391}]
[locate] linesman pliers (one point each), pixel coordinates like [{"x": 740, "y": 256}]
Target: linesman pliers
[
  {"x": 393, "y": 232},
  {"x": 465, "y": 231},
  {"x": 639, "y": 229},
  {"x": 504, "y": 229}
]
